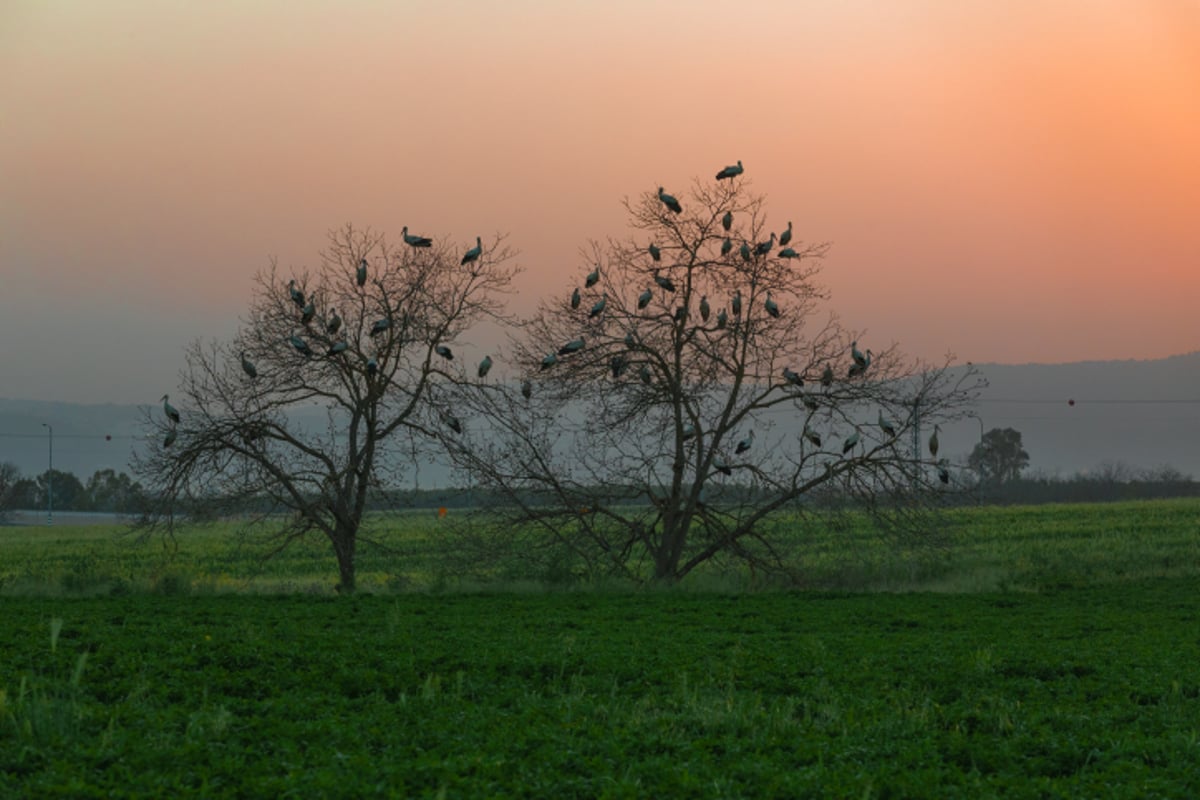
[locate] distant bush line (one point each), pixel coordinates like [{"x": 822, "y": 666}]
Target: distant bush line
[{"x": 107, "y": 491}]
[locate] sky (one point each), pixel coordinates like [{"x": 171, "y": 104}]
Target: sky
[{"x": 1009, "y": 182}]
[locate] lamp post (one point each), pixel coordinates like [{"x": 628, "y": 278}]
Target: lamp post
[{"x": 50, "y": 478}]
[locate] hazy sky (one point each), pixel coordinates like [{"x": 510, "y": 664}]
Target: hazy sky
[{"x": 1011, "y": 181}]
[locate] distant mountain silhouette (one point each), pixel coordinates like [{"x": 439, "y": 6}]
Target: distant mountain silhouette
[{"x": 1145, "y": 414}]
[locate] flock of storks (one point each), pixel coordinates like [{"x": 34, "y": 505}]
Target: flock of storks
[{"x": 619, "y": 363}]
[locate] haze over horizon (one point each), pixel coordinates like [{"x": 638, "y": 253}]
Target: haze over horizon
[{"x": 1015, "y": 183}]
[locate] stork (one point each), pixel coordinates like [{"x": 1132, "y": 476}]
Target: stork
[
  {"x": 736, "y": 303},
  {"x": 669, "y": 201},
  {"x": 827, "y": 376},
  {"x": 170, "y": 410},
  {"x": 474, "y": 253},
  {"x": 720, "y": 466},
  {"x": 444, "y": 351},
  {"x": 933, "y": 441},
  {"x": 762, "y": 248},
  {"x": 727, "y": 221},
  {"x": 451, "y": 422},
  {"x": 745, "y": 251},
  {"x": 730, "y": 172},
  {"x": 334, "y": 323},
  {"x": 307, "y": 313},
  {"x": 812, "y": 436},
  {"x": 722, "y": 319},
  {"x": 744, "y": 444},
  {"x": 886, "y": 425},
  {"x": 301, "y": 346},
  {"x": 337, "y": 347},
  {"x": 771, "y": 306},
  {"x": 665, "y": 283},
  {"x": 726, "y": 247},
  {"x": 850, "y": 443},
  {"x": 618, "y": 365},
  {"x": 575, "y": 298},
  {"x": 380, "y": 326},
  {"x": 296, "y": 295},
  {"x": 360, "y": 275},
  {"x": 792, "y": 377},
  {"x": 549, "y": 361},
  {"x": 705, "y": 310},
  {"x": 573, "y": 346},
  {"x": 598, "y": 307},
  {"x": 655, "y": 253},
  {"x": 415, "y": 241},
  {"x": 593, "y": 278},
  {"x": 248, "y": 367},
  {"x": 857, "y": 355},
  {"x": 484, "y": 366},
  {"x": 786, "y": 236},
  {"x": 169, "y": 439},
  {"x": 644, "y": 299},
  {"x": 527, "y": 388}
]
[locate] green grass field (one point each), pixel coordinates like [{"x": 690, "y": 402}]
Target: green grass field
[{"x": 1039, "y": 652}]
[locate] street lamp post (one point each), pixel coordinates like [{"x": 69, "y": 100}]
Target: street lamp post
[{"x": 50, "y": 478}]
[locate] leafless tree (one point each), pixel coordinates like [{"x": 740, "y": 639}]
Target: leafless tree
[
  {"x": 688, "y": 388},
  {"x": 360, "y": 340}
]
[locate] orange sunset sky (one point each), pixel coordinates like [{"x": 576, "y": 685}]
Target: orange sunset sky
[{"x": 1010, "y": 181}]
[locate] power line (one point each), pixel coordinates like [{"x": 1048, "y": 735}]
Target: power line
[
  {"x": 97, "y": 436},
  {"x": 1059, "y": 401}
]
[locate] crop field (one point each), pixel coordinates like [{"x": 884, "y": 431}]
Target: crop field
[{"x": 1037, "y": 652}]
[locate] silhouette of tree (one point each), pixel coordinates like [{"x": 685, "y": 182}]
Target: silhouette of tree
[
  {"x": 9, "y": 476},
  {"x": 112, "y": 492},
  {"x": 643, "y": 437},
  {"x": 68, "y": 490},
  {"x": 999, "y": 457},
  {"x": 240, "y": 439}
]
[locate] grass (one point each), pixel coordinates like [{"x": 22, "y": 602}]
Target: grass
[
  {"x": 1041, "y": 652},
  {"x": 1086, "y": 692},
  {"x": 1029, "y": 548}
]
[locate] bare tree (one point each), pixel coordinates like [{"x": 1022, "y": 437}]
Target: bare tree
[
  {"x": 687, "y": 390},
  {"x": 360, "y": 340}
]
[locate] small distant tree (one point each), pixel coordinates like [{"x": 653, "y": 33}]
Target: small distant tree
[
  {"x": 69, "y": 494},
  {"x": 24, "y": 494},
  {"x": 687, "y": 387},
  {"x": 9, "y": 476},
  {"x": 999, "y": 457},
  {"x": 112, "y": 492},
  {"x": 361, "y": 338}
]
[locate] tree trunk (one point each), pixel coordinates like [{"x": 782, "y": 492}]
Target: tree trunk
[
  {"x": 666, "y": 555},
  {"x": 343, "y": 547}
]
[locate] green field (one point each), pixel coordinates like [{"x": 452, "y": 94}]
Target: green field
[{"x": 1037, "y": 652}]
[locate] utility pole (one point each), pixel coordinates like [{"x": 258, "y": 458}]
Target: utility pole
[{"x": 50, "y": 478}]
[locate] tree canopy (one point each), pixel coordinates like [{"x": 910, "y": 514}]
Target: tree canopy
[
  {"x": 362, "y": 337},
  {"x": 687, "y": 386}
]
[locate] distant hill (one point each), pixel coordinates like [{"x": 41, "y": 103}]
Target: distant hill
[{"x": 1143, "y": 413}]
